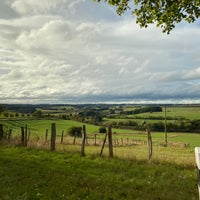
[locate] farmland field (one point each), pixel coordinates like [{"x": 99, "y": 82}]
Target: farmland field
[
  {"x": 127, "y": 143},
  {"x": 173, "y": 112},
  {"x": 37, "y": 173}
]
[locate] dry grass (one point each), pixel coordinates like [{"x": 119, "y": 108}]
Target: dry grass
[
  {"x": 176, "y": 152},
  {"x": 179, "y": 155}
]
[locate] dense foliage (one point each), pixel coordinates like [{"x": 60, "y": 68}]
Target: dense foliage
[
  {"x": 75, "y": 131},
  {"x": 102, "y": 129},
  {"x": 1, "y": 108},
  {"x": 165, "y": 13},
  {"x": 176, "y": 126},
  {"x": 22, "y": 108},
  {"x": 90, "y": 116},
  {"x": 144, "y": 110}
]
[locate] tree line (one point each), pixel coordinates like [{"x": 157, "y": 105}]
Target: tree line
[{"x": 176, "y": 126}]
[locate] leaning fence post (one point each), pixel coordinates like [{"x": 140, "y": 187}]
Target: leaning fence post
[
  {"x": 83, "y": 141},
  {"x": 197, "y": 158},
  {"x": 53, "y": 136},
  {"x": 110, "y": 144},
  {"x": 149, "y": 143},
  {"x": 1, "y": 132},
  {"x": 104, "y": 141}
]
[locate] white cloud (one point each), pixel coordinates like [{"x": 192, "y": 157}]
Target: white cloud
[
  {"x": 51, "y": 35},
  {"x": 62, "y": 50},
  {"x": 34, "y": 6}
]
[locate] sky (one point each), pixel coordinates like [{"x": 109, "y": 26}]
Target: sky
[{"x": 78, "y": 51}]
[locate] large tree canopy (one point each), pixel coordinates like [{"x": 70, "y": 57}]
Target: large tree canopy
[{"x": 164, "y": 13}]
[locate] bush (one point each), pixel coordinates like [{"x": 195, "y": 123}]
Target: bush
[
  {"x": 75, "y": 131},
  {"x": 102, "y": 129},
  {"x": 37, "y": 113}
]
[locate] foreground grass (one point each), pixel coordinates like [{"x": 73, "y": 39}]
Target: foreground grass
[{"x": 38, "y": 174}]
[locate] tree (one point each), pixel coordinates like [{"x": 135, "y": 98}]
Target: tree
[
  {"x": 1, "y": 109},
  {"x": 75, "y": 131},
  {"x": 165, "y": 13},
  {"x": 6, "y": 114},
  {"x": 102, "y": 129},
  {"x": 37, "y": 113}
]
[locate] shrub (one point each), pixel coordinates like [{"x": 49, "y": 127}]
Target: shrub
[
  {"x": 102, "y": 129},
  {"x": 37, "y": 113},
  {"x": 75, "y": 131}
]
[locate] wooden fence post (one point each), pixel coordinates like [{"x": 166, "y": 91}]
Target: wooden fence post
[
  {"x": 95, "y": 139},
  {"x": 1, "y": 132},
  {"x": 149, "y": 143},
  {"x": 25, "y": 136},
  {"x": 9, "y": 134},
  {"x": 29, "y": 135},
  {"x": 74, "y": 140},
  {"x": 117, "y": 142},
  {"x": 165, "y": 128},
  {"x": 22, "y": 135},
  {"x": 53, "y": 136},
  {"x": 83, "y": 141},
  {"x": 46, "y": 135},
  {"x": 62, "y": 135},
  {"x": 104, "y": 141},
  {"x": 122, "y": 142},
  {"x": 110, "y": 144},
  {"x": 127, "y": 141}
]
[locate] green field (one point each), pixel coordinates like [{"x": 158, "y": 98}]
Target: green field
[
  {"x": 37, "y": 173},
  {"x": 38, "y": 127},
  {"x": 28, "y": 174},
  {"x": 188, "y": 112},
  {"x": 127, "y": 143}
]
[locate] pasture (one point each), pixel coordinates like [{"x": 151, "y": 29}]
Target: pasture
[
  {"x": 37, "y": 173},
  {"x": 43, "y": 175},
  {"x": 128, "y": 144},
  {"x": 190, "y": 112}
]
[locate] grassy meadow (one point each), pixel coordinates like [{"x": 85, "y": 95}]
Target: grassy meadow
[
  {"x": 188, "y": 112},
  {"x": 128, "y": 144},
  {"x": 37, "y": 173},
  {"x": 43, "y": 175}
]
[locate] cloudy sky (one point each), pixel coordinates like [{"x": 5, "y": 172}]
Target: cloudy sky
[{"x": 78, "y": 51}]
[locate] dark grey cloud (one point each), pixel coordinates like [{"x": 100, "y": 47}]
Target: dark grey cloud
[{"x": 6, "y": 12}]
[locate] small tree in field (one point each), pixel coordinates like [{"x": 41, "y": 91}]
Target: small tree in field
[
  {"x": 102, "y": 129},
  {"x": 1, "y": 109},
  {"x": 37, "y": 113},
  {"x": 6, "y": 114},
  {"x": 75, "y": 131}
]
